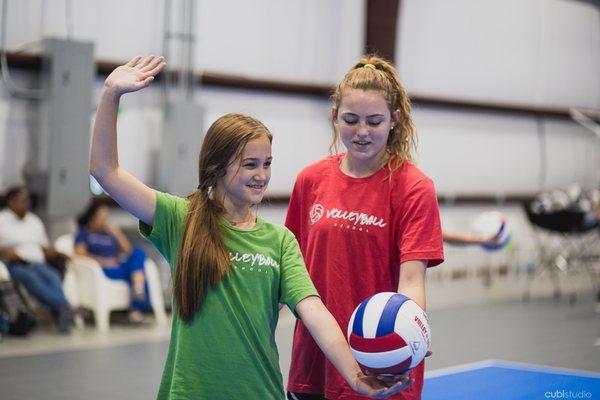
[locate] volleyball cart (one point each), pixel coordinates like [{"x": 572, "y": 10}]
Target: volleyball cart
[{"x": 567, "y": 243}]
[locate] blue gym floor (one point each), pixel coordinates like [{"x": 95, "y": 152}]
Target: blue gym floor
[{"x": 501, "y": 380}]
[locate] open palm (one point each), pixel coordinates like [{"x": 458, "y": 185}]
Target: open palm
[
  {"x": 374, "y": 387},
  {"x": 135, "y": 75}
]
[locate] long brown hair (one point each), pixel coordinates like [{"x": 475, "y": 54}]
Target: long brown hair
[
  {"x": 375, "y": 73},
  {"x": 203, "y": 256}
]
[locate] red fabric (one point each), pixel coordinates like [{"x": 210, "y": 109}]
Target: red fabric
[{"x": 354, "y": 233}]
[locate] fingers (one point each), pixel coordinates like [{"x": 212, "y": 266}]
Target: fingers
[
  {"x": 146, "y": 61},
  {"x": 397, "y": 388},
  {"x": 154, "y": 68},
  {"x": 155, "y": 62},
  {"x": 142, "y": 84},
  {"x": 388, "y": 380},
  {"x": 134, "y": 61},
  {"x": 392, "y": 379}
]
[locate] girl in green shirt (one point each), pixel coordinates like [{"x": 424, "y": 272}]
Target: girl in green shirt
[{"x": 231, "y": 269}]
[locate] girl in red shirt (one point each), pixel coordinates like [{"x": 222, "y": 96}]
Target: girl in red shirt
[{"x": 367, "y": 220}]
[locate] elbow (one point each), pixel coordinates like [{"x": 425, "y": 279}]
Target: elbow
[
  {"x": 99, "y": 172},
  {"x": 95, "y": 170}
]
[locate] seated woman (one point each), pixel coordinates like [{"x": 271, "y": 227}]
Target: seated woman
[
  {"x": 97, "y": 238},
  {"x": 24, "y": 248}
]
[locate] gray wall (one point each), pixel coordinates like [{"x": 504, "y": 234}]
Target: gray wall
[{"x": 535, "y": 53}]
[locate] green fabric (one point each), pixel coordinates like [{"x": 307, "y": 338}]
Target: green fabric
[{"x": 228, "y": 351}]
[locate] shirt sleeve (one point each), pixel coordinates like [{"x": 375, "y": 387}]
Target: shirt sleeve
[
  {"x": 420, "y": 232},
  {"x": 167, "y": 225},
  {"x": 295, "y": 284}
]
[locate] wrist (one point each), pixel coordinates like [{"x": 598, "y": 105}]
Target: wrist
[
  {"x": 354, "y": 378},
  {"x": 110, "y": 92}
]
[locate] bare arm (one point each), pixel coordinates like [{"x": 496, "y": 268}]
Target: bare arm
[
  {"x": 412, "y": 281},
  {"x": 133, "y": 195},
  {"x": 81, "y": 250},
  {"x": 124, "y": 243},
  {"x": 467, "y": 239},
  {"x": 10, "y": 255},
  {"x": 330, "y": 339}
]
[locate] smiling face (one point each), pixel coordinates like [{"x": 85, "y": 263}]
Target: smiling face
[
  {"x": 247, "y": 177},
  {"x": 364, "y": 121}
]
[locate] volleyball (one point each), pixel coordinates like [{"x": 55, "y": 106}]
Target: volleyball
[
  {"x": 389, "y": 334},
  {"x": 492, "y": 224}
]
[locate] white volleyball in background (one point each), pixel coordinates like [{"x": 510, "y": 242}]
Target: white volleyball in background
[{"x": 492, "y": 225}]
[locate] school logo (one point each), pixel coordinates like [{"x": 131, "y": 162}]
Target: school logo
[
  {"x": 316, "y": 212},
  {"x": 346, "y": 218},
  {"x": 415, "y": 346},
  {"x": 253, "y": 259}
]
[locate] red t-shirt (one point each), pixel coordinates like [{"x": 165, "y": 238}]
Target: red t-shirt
[{"x": 354, "y": 233}]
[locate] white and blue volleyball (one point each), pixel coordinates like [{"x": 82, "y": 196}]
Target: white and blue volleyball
[
  {"x": 389, "y": 334},
  {"x": 492, "y": 224}
]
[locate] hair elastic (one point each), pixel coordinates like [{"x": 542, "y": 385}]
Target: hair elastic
[{"x": 369, "y": 66}]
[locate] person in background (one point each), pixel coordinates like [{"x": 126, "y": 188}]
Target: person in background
[
  {"x": 103, "y": 241},
  {"x": 24, "y": 247}
]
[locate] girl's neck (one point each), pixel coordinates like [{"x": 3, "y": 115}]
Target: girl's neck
[
  {"x": 240, "y": 216},
  {"x": 362, "y": 168}
]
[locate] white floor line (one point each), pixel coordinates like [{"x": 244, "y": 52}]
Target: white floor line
[
  {"x": 460, "y": 368},
  {"x": 545, "y": 368}
]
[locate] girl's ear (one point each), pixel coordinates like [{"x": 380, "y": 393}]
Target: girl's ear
[
  {"x": 334, "y": 115},
  {"x": 396, "y": 118}
]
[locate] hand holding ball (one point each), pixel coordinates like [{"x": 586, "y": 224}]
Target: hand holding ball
[{"x": 389, "y": 334}]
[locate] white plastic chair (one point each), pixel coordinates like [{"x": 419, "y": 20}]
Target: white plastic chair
[
  {"x": 4, "y": 274},
  {"x": 69, "y": 286},
  {"x": 101, "y": 294}
]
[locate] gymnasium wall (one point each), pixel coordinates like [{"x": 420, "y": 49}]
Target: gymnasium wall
[
  {"x": 532, "y": 53},
  {"x": 542, "y": 53}
]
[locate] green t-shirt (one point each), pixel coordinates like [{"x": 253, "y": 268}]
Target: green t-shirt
[{"x": 228, "y": 350}]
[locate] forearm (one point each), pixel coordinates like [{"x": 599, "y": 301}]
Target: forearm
[
  {"x": 412, "y": 281},
  {"x": 104, "y": 154},
  {"x": 48, "y": 251},
  {"x": 415, "y": 293},
  {"x": 104, "y": 262},
  {"x": 6, "y": 252},
  {"x": 123, "y": 242},
  {"x": 457, "y": 238},
  {"x": 326, "y": 332}
]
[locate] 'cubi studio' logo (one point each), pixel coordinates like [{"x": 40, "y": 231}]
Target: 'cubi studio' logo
[{"x": 316, "y": 212}]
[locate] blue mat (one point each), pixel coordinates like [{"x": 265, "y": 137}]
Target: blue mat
[{"x": 500, "y": 380}]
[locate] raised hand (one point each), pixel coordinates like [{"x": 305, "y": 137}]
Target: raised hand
[{"x": 135, "y": 75}]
